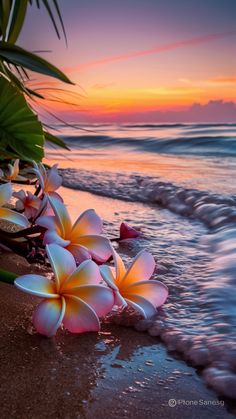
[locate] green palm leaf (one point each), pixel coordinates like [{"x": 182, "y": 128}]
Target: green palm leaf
[
  {"x": 13, "y": 54},
  {"x": 21, "y": 134}
]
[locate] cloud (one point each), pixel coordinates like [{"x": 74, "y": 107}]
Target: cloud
[
  {"x": 223, "y": 80},
  {"x": 211, "y": 112},
  {"x": 151, "y": 51}
]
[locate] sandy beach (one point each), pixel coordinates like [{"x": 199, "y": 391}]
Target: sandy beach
[{"x": 119, "y": 372}]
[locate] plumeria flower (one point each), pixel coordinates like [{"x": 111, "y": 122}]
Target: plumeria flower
[
  {"x": 133, "y": 286},
  {"x": 75, "y": 298},
  {"x": 13, "y": 172},
  {"x": 128, "y": 232},
  {"x": 49, "y": 180},
  {"x": 82, "y": 238},
  {"x": 28, "y": 203},
  {"x": 6, "y": 213}
]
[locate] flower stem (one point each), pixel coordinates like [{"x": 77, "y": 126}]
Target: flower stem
[{"x": 8, "y": 277}]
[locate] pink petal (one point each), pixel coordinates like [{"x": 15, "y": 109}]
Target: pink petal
[
  {"x": 14, "y": 217},
  {"x": 128, "y": 232},
  {"x": 153, "y": 291},
  {"x": 98, "y": 297},
  {"x": 119, "y": 266},
  {"x": 56, "y": 196},
  {"x": 53, "y": 237},
  {"x": 80, "y": 253},
  {"x": 141, "y": 269},
  {"x": 20, "y": 206},
  {"x": 5, "y": 193},
  {"x": 108, "y": 277},
  {"x": 62, "y": 215},
  {"x": 36, "y": 285},
  {"x": 140, "y": 304},
  {"x": 99, "y": 247},
  {"x": 86, "y": 274},
  {"x": 48, "y": 316},
  {"x": 79, "y": 317},
  {"x": 62, "y": 262},
  {"x": 47, "y": 222},
  {"x": 20, "y": 195},
  {"x": 13, "y": 170},
  {"x": 53, "y": 181},
  {"x": 88, "y": 223}
]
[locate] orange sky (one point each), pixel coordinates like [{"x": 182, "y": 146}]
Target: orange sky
[{"x": 145, "y": 57}]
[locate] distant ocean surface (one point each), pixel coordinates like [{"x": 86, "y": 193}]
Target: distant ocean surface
[{"x": 177, "y": 183}]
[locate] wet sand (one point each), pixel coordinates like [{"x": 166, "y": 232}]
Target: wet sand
[{"x": 117, "y": 373}]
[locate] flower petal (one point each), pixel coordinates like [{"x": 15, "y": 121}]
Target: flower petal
[
  {"x": 86, "y": 274},
  {"x": 20, "y": 194},
  {"x": 13, "y": 170},
  {"x": 14, "y": 217},
  {"x": 79, "y": 317},
  {"x": 52, "y": 237},
  {"x": 56, "y": 196},
  {"x": 141, "y": 269},
  {"x": 98, "y": 297},
  {"x": 47, "y": 222},
  {"x": 153, "y": 291},
  {"x": 88, "y": 223},
  {"x": 141, "y": 305},
  {"x": 128, "y": 232},
  {"x": 80, "y": 253},
  {"x": 36, "y": 285},
  {"x": 53, "y": 180},
  {"x": 119, "y": 266},
  {"x": 108, "y": 276},
  {"x": 62, "y": 262},
  {"x": 98, "y": 246},
  {"x": 48, "y": 316},
  {"x": 5, "y": 193},
  {"x": 62, "y": 215}
]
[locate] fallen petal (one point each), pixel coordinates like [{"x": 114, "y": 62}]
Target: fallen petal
[
  {"x": 141, "y": 269},
  {"x": 62, "y": 262},
  {"x": 141, "y": 305},
  {"x": 36, "y": 285},
  {"x": 98, "y": 297},
  {"x": 48, "y": 316},
  {"x": 86, "y": 274},
  {"x": 153, "y": 291},
  {"x": 88, "y": 223},
  {"x": 79, "y": 317},
  {"x": 98, "y": 246}
]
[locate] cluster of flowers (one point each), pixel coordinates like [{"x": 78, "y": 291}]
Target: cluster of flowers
[{"x": 84, "y": 288}]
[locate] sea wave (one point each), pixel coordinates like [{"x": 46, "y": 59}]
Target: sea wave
[{"x": 177, "y": 139}]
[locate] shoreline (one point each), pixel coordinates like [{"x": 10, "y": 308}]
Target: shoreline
[
  {"x": 129, "y": 372},
  {"x": 81, "y": 376}
]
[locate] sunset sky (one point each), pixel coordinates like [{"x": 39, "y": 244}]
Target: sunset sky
[{"x": 135, "y": 59}]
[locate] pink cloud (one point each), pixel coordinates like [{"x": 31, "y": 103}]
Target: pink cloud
[{"x": 156, "y": 50}]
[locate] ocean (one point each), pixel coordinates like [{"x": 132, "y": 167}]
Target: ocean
[{"x": 176, "y": 182}]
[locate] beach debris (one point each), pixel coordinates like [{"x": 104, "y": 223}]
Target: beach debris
[
  {"x": 83, "y": 238},
  {"x": 75, "y": 298},
  {"x": 134, "y": 287}
]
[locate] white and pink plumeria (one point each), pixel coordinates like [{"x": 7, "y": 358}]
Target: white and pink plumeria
[
  {"x": 75, "y": 298},
  {"x": 83, "y": 238},
  {"x": 6, "y": 213},
  {"x": 49, "y": 181},
  {"x": 28, "y": 203},
  {"x": 133, "y": 286}
]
